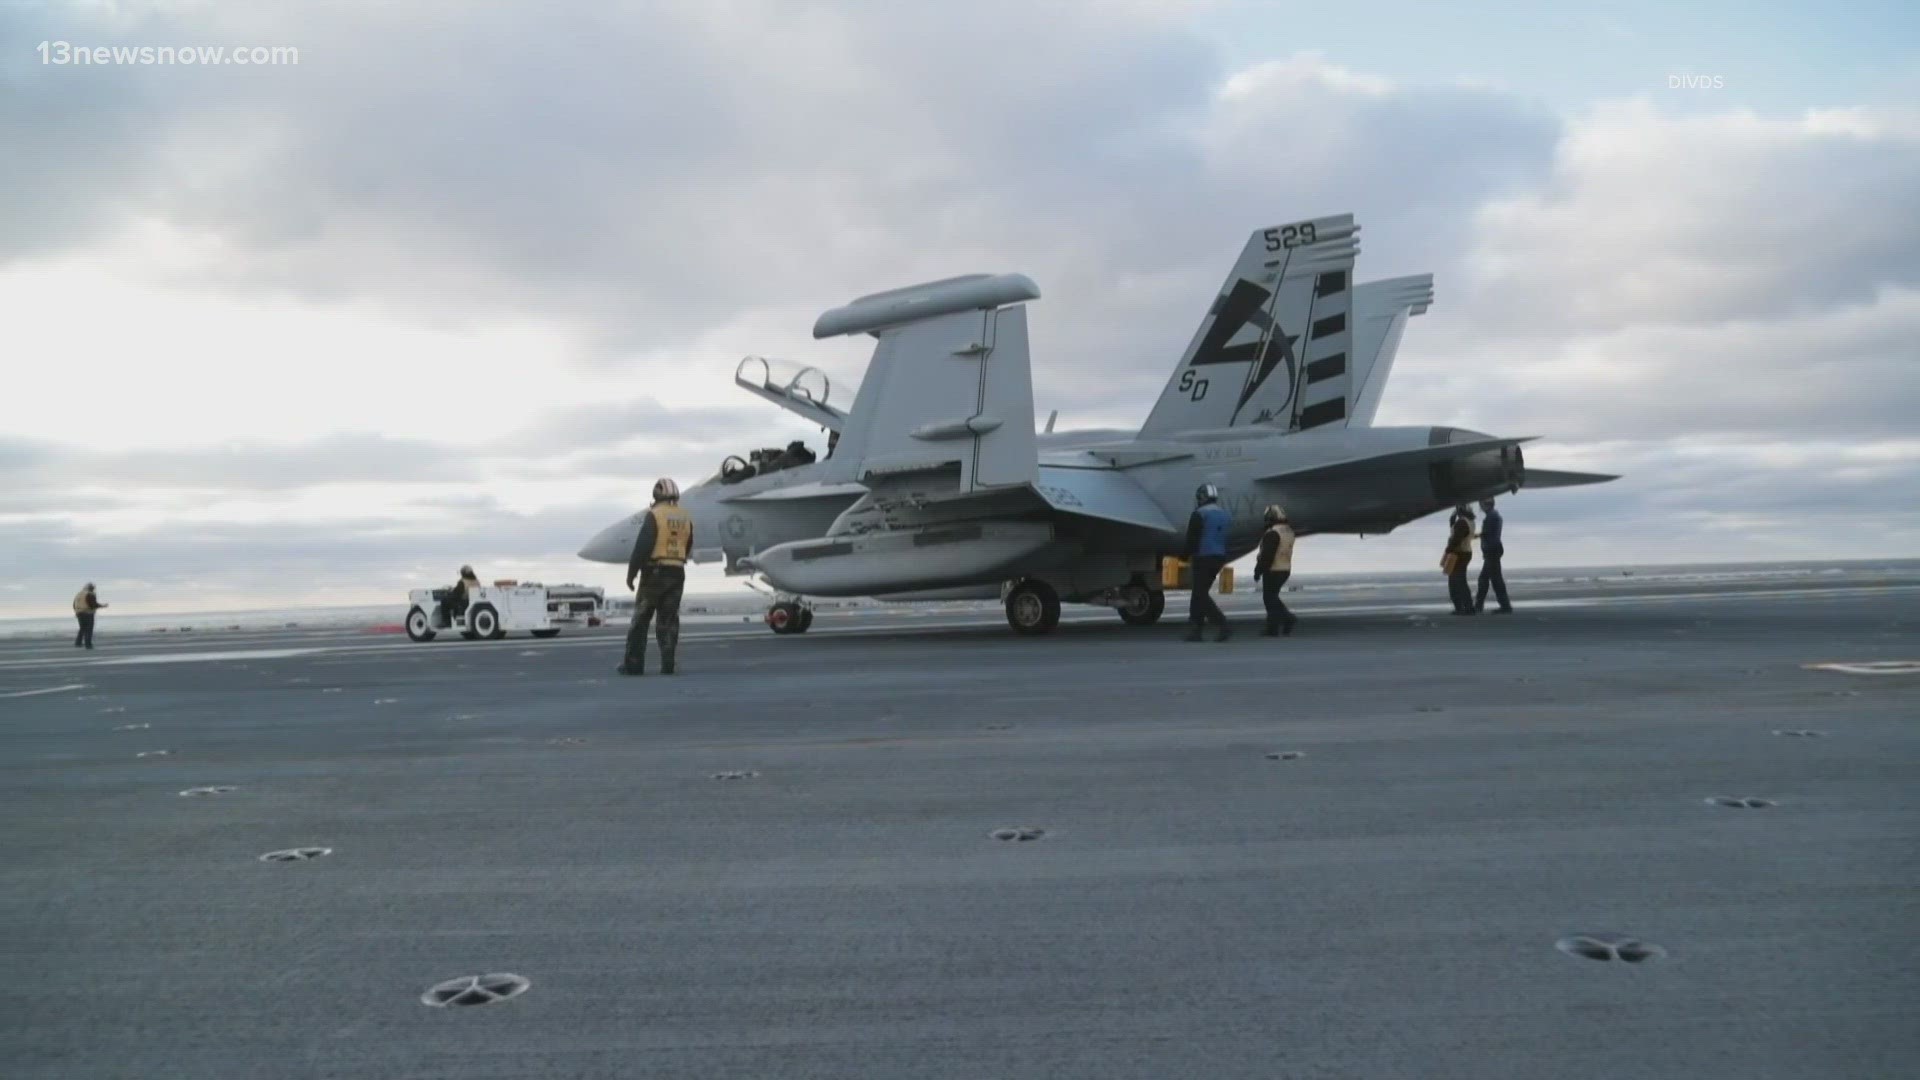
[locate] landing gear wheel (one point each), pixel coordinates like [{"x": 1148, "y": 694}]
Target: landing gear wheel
[
  {"x": 419, "y": 627},
  {"x": 485, "y": 622},
  {"x": 806, "y": 620},
  {"x": 1033, "y": 607},
  {"x": 1141, "y": 606},
  {"x": 554, "y": 632},
  {"x": 785, "y": 617}
]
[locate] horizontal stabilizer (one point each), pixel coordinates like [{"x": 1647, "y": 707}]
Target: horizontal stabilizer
[
  {"x": 1424, "y": 455},
  {"x": 1553, "y": 478}
]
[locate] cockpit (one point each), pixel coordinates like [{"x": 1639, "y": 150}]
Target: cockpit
[
  {"x": 803, "y": 392},
  {"x": 771, "y": 459}
]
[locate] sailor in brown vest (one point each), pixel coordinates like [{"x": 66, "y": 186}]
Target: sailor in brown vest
[
  {"x": 660, "y": 560},
  {"x": 1272, "y": 566},
  {"x": 85, "y": 603},
  {"x": 462, "y": 594},
  {"x": 1459, "y": 556}
]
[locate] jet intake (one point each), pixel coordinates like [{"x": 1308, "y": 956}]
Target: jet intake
[{"x": 901, "y": 560}]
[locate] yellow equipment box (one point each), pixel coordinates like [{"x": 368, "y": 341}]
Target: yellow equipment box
[{"x": 1176, "y": 573}]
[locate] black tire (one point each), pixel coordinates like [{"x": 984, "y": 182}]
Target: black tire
[
  {"x": 484, "y": 622},
  {"x": 1141, "y": 606},
  {"x": 554, "y": 632},
  {"x": 783, "y": 617},
  {"x": 806, "y": 621},
  {"x": 419, "y": 627},
  {"x": 1033, "y": 608}
]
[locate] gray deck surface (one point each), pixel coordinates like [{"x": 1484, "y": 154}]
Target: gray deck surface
[{"x": 1386, "y": 905}]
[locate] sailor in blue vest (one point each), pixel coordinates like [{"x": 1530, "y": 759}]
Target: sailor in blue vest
[
  {"x": 1207, "y": 547},
  {"x": 1492, "y": 550}
]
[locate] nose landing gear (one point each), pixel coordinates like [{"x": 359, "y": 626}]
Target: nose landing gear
[{"x": 789, "y": 617}]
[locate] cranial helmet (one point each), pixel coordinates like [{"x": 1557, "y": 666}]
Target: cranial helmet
[
  {"x": 665, "y": 490},
  {"x": 1276, "y": 513},
  {"x": 1206, "y": 493}
]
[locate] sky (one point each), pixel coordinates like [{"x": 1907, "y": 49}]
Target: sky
[{"x": 460, "y": 283}]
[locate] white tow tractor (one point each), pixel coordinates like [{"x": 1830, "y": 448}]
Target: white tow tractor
[{"x": 493, "y": 612}]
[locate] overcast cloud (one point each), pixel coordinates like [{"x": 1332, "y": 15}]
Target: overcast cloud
[{"x": 458, "y": 285}]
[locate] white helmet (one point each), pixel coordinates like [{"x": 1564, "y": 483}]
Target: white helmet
[
  {"x": 665, "y": 490},
  {"x": 1276, "y": 513}
]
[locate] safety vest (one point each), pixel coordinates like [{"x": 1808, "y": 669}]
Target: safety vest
[
  {"x": 1461, "y": 543},
  {"x": 672, "y": 534},
  {"x": 82, "y": 602},
  {"x": 1214, "y": 522},
  {"x": 1282, "y": 551}
]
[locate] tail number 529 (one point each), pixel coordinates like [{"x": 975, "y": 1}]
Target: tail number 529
[{"x": 1289, "y": 236}]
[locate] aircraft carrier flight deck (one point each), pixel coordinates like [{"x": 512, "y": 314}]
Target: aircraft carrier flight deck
[{"x": 1663, "y": 831}]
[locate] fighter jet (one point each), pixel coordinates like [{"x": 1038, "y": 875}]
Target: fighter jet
[{"x": 939, "y": 487}]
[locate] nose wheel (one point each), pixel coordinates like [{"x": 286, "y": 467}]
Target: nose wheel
[{"x": 789, "y": 617}]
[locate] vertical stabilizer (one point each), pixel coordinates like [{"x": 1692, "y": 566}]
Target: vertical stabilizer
[
  {"x": 1281, "y": 317},
  {"x": 1380, "y": 311}
]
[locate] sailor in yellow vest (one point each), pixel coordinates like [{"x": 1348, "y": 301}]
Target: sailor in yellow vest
[
  {"x": 1272, "y": 566},
  {"x": 1459, "y": 556},
  {"x": 660, "y": 561},
  {"x": 85, "y": 603}
]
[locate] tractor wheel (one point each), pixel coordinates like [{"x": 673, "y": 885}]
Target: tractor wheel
[
  {"x": 485, "y": 622},
  {"x": 552, "y": 632},
  {"x": 419, "y": 627}
]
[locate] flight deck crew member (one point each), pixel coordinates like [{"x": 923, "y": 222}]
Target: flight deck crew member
[
  {"x": 1207, "y": 547},
  {"x": 463, "y": 592},
  {"x": 1458, "y": 557},
  {"x": 85, "y": 603},
  {"x": 1272, "y": 566},
  {"x": 660, "y": 559},
  {"x": 1491, "y": 549}
]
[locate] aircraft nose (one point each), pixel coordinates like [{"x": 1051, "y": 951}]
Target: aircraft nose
[{"x": 611, "y": 545}]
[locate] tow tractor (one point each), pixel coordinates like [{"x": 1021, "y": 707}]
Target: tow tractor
[{"x": 494, "y": 611}]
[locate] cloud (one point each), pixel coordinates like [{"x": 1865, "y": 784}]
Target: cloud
[
  {"x": 463, "y": 281},
  {"x": 1700, "y": 218}
]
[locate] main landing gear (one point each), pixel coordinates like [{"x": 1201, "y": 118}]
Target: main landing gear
[
  {"x": 1032, "y": 607},
  {"x": 1139, "y": 605}
]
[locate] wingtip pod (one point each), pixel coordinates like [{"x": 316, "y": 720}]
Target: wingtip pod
[{"x": 969, "y": 292}]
